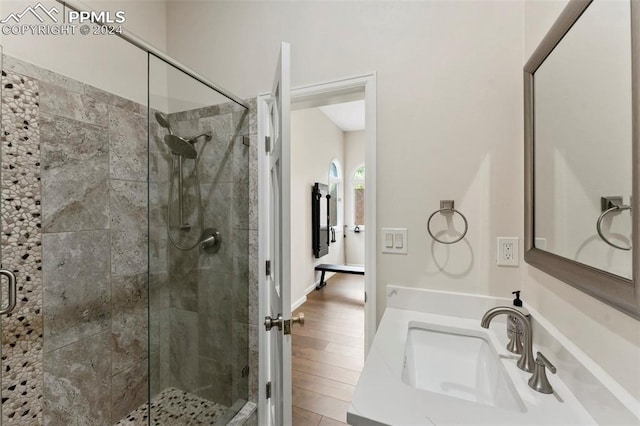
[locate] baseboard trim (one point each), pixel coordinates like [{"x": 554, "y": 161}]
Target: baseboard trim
[
  {"x": 295, "y": 305},
  {"x": 311, "y": 287}
]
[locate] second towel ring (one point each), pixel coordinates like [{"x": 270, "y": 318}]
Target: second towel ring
[
  {"x": 446, "y": 206},
  {"x": 615, "y": 208}
]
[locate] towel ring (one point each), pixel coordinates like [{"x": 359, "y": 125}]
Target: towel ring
[
  {"x": 446, "y": 206},
  {"x": 599, "y": 225}
]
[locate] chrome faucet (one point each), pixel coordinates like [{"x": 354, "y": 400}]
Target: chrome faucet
[{"x": 526, "y": 361}]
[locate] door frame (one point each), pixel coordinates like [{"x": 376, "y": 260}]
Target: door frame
[
  {"x": 309, "y": 96},
  {"x": 342, "y": 91}
]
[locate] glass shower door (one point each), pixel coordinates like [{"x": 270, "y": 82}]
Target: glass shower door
[
  {"x": 198, "y": 242},
  {"x": 1, "y": 207}
]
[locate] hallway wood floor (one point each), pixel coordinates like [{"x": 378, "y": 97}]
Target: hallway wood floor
[{"x": 328, "y": 352}]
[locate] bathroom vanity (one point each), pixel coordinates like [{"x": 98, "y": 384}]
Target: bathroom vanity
[{"x": 431, "y": 363}]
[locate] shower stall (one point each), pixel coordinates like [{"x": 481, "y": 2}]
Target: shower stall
[{"x": 130, "y": 226}]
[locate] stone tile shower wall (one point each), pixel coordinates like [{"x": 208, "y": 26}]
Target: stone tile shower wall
[
  {"x": 74, "y": 225},
  {"x": 202, "y": 313},
  {"x": 74, "y": 179}
]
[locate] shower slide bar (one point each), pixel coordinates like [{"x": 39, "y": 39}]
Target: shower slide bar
[{"x": 141, "y": 44}]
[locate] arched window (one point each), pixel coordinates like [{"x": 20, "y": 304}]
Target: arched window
[
  {"x": 358, "y": 196},
  {"x": 335, "y": 190}
]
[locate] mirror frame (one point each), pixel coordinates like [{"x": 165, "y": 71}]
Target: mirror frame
[{"x": 619, "y": 292}]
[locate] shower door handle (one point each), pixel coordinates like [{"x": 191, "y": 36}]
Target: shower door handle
[{"x": 11, "y": 280}]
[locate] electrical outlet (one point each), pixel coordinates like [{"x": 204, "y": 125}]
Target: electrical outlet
[{"x": 507, "y": 251}]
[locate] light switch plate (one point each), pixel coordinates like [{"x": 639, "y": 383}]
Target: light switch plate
[{"x": 398, "y": 236}]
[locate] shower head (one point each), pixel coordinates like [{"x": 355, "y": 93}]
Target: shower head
[
  {"x": 163, "y": 122},
  {"x": 181, "y": 146}
]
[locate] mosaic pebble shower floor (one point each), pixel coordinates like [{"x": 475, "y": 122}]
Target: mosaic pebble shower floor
[{"x": 173, "y": 407}]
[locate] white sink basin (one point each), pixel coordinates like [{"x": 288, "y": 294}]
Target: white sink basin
[
  {"x": 429, "y": 368},
  {"x": 458, "y": 363}
]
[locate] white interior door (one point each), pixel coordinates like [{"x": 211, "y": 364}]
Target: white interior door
[{"x": 275, "y": 250}]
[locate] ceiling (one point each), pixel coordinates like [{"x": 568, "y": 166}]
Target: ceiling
[{"x": 348, "y": 116}]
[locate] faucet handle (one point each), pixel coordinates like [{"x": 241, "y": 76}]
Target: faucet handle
[
  {"x": 538, "y": 380},
  {"x": 542, "y": 360}
]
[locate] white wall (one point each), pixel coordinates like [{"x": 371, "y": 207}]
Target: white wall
[
  {"x": 315, "y": 141},
  {"x": 354, "y": 149},
  {"x": 106, "y": 62},
  {"x": 449, "y": 86},
  {"x": 449, "y": 104},
  {"x": 609, "y": 337}
]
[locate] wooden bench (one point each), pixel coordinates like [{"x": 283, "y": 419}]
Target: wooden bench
[{"x": 342, "y": 269}]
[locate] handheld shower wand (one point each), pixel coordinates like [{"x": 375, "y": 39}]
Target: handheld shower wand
[
  {"x": 162, "y": 121},
  {"x": 181, "y": 148}
]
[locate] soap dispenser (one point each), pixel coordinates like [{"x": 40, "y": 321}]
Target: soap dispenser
[{"x": 514, "y": 328}]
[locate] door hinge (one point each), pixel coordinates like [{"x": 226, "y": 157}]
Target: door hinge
[
  {"x": 267, "y": 268},
  {"x": 267, "y": 144},
  {"x": 268, "y": 390},
  {"x": 365, "y": 297}
]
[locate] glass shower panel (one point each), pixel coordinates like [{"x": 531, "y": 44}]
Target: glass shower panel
[
  {"x": 198, "y": 258},
  {"x": 74, "y": 227},
  {"x": 2, "y": 296}
]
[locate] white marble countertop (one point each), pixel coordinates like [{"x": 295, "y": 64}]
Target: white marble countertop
[{"x": 382, "y": 398}]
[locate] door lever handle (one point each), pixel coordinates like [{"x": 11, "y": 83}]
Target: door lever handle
[{"x": 11, "y": 279}]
